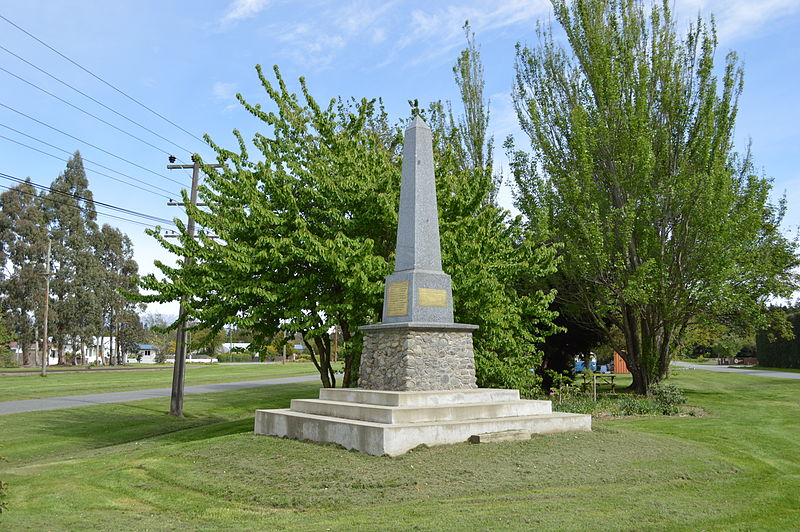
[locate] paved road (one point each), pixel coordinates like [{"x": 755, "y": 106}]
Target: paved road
[
  {"x": 72, "y": 401},
  {"x": 746, "y": 371}
]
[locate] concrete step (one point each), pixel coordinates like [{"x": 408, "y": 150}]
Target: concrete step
[
  {"x": 422, "y": 414},
  {"x": 425, "y": 398},
  {"x": 396, "y": 439}
]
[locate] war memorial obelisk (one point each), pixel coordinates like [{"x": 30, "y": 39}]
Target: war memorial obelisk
[
  {"x": 418, "y": 347},
  {"x": 417, "y": 375}
]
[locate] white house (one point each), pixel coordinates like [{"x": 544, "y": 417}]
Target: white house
[{"x": 146, "y": 355}]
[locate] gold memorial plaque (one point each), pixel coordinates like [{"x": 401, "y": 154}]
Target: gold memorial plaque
[
  {"x": 431, "y": 297},
  {"x": 397, "y": 299}
]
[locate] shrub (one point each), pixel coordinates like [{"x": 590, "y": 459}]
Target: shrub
[
  {"x": 634, "y": 405},
  {"x": 7, "y": 359},
  {"x": 509, "y": 373},
  {"x": 668, "y": 398}
]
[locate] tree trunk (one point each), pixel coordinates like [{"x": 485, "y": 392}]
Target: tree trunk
[
  {"x": 62, "y": 355},
  {"x": 26, "y": 354},
  {"x": 352, "y": 359},
  {"x": 322, "y": 362},
  {"x": 111, "y": 338}
]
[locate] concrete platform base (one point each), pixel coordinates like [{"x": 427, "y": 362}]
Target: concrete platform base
[{"x": 393, "y": 422}]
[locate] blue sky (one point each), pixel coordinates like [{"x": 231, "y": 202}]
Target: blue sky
[{"x": 187, "y": 60}]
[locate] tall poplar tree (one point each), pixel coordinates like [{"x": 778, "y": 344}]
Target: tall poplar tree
[{"x": 633, "y": 171}]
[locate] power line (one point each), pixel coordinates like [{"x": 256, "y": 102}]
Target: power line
[
  {"x": 98, "y": 102},
  {"x": 88, "y": 161},
  {"x": 101, "y": 79},
  {"x": 72, "y": 205},
  {"x": 150, "y": 217},
  {"x": 84, "y": 111},
  {"x": 88, "y": 143}
]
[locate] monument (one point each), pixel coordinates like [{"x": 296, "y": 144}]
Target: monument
[{"x": 417, "y": 375}]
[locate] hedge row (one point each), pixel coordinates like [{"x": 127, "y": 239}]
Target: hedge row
[{"x": 780, "y": 353}]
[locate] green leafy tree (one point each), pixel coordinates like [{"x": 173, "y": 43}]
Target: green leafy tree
[
  {"x": 76, "y": 308},
  {"x": 6, "y": 337},
  {"x": 307, "y": 231},
  {"x": 304, "y": 234},
  {"x": 23, "y": 246},
  {"x": 633, "y": 171},
  {"x": 120, "y": 273}
]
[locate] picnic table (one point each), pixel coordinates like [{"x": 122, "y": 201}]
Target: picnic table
[{"x": 599, "y": 378}]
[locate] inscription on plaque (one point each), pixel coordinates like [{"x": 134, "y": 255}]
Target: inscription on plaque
[
  {"x": 397, "y": 298},
  {"x": 431, "y": 297}
]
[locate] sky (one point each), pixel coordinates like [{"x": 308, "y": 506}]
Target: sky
[{"x": 186, "y": 61}]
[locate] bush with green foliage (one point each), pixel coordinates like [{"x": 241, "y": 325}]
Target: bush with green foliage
[
  {"x": 668, "y": 398},
  {"x": 664, "y": 399},
  {"x": 779, "y": 352},
  {"x": 7, "y": 359},
  {"x": 236, "y": 356}
]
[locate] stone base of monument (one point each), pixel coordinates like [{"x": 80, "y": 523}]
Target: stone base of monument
[{"x": 391, "y": 423}]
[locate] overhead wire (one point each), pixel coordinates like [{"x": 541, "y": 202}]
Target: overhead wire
[
  {"x": 98, "y": 102},
  {"x": 123, "y": 210},
  {"x": 90, "y": 144},
  {"x": 120, "y": 91},
  {"x": 90, "y": 162},
  {"x": 72, "y": 205},
  {"x": 84, "y": 111}
]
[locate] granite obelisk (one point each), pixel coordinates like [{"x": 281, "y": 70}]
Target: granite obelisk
[
  {"x": 417, "y": 346},
  {"x": 417, "y": 374}
]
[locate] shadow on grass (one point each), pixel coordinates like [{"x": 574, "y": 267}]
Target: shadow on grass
[{"x": 34, "y": 435}]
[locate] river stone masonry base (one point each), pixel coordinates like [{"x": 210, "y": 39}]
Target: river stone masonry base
[
  {"x": 394, "y": 422},
  {"x": 417, "y": 356}
]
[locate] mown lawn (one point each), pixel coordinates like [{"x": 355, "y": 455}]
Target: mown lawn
[
  {"x": 130, "y": 467},
  {"x": 56, "y": 384}
]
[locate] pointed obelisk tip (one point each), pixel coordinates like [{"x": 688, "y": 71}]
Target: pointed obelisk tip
[{"x": 417, "y": 121}]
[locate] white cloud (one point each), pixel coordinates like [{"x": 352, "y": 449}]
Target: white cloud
[
  {"x": 318, "y": 41},
  {"x": 738, "y": 19},
  {"x": 224, "y": 91},
  {"x": 443, "y": 27},
  {"x": 243, "y": 9}
]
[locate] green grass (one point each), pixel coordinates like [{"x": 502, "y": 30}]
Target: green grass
[
  {"x": 130, "y": 467},
  {"x": 13, "y": 387},
  {"x": 784, "y": 370}
]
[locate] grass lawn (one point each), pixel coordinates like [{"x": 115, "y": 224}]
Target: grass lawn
[
  {"x": 130, "y": 467},
  {"x": 784, "y": 370},
  {"x": 13, "y": 387}
]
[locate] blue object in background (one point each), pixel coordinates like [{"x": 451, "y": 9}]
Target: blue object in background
[
  {"x": 593, "y": 365},
  {"x": 603, "y": 369},
  {"x": 579, "y": 365}
]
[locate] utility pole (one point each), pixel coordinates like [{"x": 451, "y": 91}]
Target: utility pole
[
  {"x": 179, "y": 369},
  {"x": 45, "y": 346}
]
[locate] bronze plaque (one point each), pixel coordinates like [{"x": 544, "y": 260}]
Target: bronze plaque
[
  {"x": 397, "y": 299},
  {"x": 431, "y": 297}
]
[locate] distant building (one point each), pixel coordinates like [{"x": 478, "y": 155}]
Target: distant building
[{"x": 146, "y": 355}]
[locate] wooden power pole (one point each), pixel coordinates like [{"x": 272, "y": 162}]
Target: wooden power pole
[
  {"x": 179, "y": 369},
  {"x": 45, "y": 346}
]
